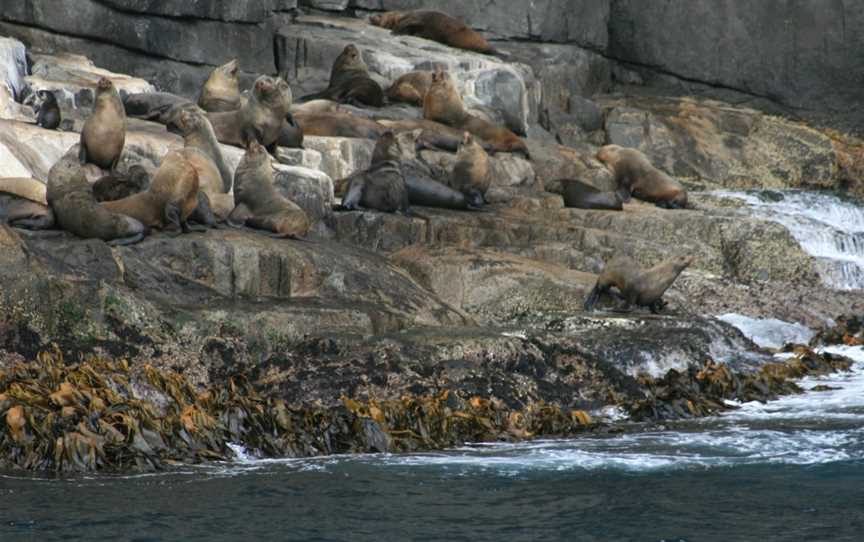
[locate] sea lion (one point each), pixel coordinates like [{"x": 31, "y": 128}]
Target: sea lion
[
  {"x": 410, "y": 88},
  {"x": 194, "y": 127},
  {"x": 23, "y": 204},
  {"x": 427, "y": 184},
  {"x": 314, "y": 106},
  {"x": 634, "y": 175},
  {"x": 261, "y": 118},
  {"x": 221, "y": 92},
  {"x": 471, "y": 174},
  {"x": 291, "y": 135},
  {"x": 635, "y": 285},
  {"x": 435, "y": 26},
  {"x": 579, "y": 195},
  {"x": 104, "y": 132},
  {"x": 154, "y": 106},
  {"x": 170, "y": 200},
  {"x": 444, "y": 104},
  {"x": 381, "y": 187},
  {"x": 339, "y": 125},
  {"x": 259, "y": 205},
  {"x": 435, "y": 136},
  {"x": 71, "y": 198},
  {"x": 117, "y": 185},
  {"x": 350, "y": 82},
  {"x": 49, "y": 110}
]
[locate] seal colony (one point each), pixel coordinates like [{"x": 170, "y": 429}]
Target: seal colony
[{"x": 105, "y": 194}]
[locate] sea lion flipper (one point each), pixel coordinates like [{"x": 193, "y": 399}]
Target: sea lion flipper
[
  {"x": 353, "y": 195},
  {"x": 122, "y": 241},
  {"x": 624, "y": 194},
  {"x": 82, "y": 151},
  {"x": 203, "y": 213},
  {"x": 592, "y": 299}
]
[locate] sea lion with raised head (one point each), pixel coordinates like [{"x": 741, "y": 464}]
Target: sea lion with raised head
[
  {"x": 259, "y": 205},
  {"x": 170, "y": 200},
  {"x": 435, "y": 26},
  {"x": 261, "y": 118},
  {"x": 637, "y": 286},
  {"x": 579, "y": 195},
  {"x": 71, "y": 198},
  {"x": 194, "y": 127},
  {"x": 23, "y": 204},
  {"x": 444, "y": 104},
  {"x": 104, "y": 132},
  {"x": 49, "y": 111},
  {"x": 410, "y": 88},
  {"x": 221, "y": 92},
  {"x": 471, "y": 174},
  {"x": 636, "y": 176},
  {"x": 350, "y": 82}
]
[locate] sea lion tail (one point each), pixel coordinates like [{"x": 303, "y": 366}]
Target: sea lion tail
[{"x": 592, "y": 298}]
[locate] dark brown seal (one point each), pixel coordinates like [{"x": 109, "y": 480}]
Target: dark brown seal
[
  {"x": 118, "y": 185},
  {"x": 579, "y": 195},
  {"x": 444, "y": 104},
  {"x": 221, "y": 92},
  {"x": 291, "y": 136},
  {"x": 435, "y": 26},
  {"x": 381, "y": 187},
  {"x": 635, "y": 285},
  {"x": 339, "y": 124},
  {"x": 156, "y": 106},
  {"x": 410, "y": 88},
  {"x": 104, "y": 132},
  {"x": 634, "y": 175},
  {"x": 260, "y": 119},
  {"x": 350, "y": 82},
  {"x": 49, "y": 111},
  {"x": 23, "y": 204},
  {"x": 259, "y": 205},
  {"x": 170, "y": 200},
  {"x": 471, "y": 174},
  {"x": 76, "y": 211}
]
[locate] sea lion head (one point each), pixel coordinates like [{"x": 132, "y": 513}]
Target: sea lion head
[
  {"x": 255, "y": 152},
  {"x": 230, "y": 68},
  {"x": 349, "y": 58},
  {"x": 680, "y": 263},
  {"x": 104, "y": 85}
]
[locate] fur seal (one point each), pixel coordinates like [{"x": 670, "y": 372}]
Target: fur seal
[
  {"x": 314, "y": 106},
  {"x": 435, "y": 26},
  {"x": 291, "y": 135},
  {"x": 221, "y": 92},
  {"x": 579, "y": 195},
  {"x": 23, "y": 204},
  {"x": 76, "y": 211},
  {"x": 194, "y": 127},
  {"x": 444, "y": 104},
  {"x": 434, "y": 135},
  {"x": 259, "y": 205},
  {"x": 170, "y": 200},
  {"x": 410, "y": 88},
  {"x": 104, "y": 132},
  {"x": 117, "y": 185},
  {"x": 339, "y": 125},
  {"x": 261, "y": 118},
  {"x": 381, "y": 187},
  {"x": 471, "y": 171},
  {"x": 49, "y": 110},
  {"x": 155, "y": 106},
  {"x": 635, "y": 285},
  {"x": 350, "y": 82},
  {"x": 634, "y": 175}
]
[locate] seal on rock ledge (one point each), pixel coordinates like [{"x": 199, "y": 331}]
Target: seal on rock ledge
[
  {"x": 104, "y": 132},
  {"x": 23, "y": 204},
  {"x": 644, "y": 288},
  {"x": 221, "y": 92},
  {"x": 381, "y": 187},
  {"x": 579, "y": 195},
  {"x": 634, "y": 175},
  {"x": 435, "y": 26},
  {"x": 350, "y": 82}
]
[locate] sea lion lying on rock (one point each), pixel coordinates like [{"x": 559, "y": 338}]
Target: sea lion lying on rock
[
  {"x": 259, "y": 205},
  {"x": 154, "y": 106},
  {"x": 71, "y": 198},
  {"x": 381, "y": 187},
  {"x": 350, "y": 82},
  {"x": 435, "y": 26},
  {"x": 444, "y": 104},
  {"x": 634, "y": 175},
  {"x": 636, "y": 286},
  {"x": 23, "y": 204},
  {"x": 104, "y": 132},
  {"x": 339, "y": 124},
  {"x": 579, "y": 195},
  {"x": 221, "y": 92}
]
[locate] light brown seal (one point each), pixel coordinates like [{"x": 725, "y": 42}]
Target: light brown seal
[
  {"x": 471, "y": 174},
  {"x": 435, "y": 26},
  {"x": 634, "y": 175},
  {"x": 261, "y": 118},
  {"x": 23, "y": 203},
  {"x": 259, "y": 205},
  {"x": 221, "y": 92},
  {"x": 104, "y": 132},
  {"x": 170, "y": 200},
  {"x": 635, "y": 285},
  {"x": 350, "y": 82},
  {"x": 339, "y": 125},
  {"x": 444, "y": 104},
  {"x": 194, "y": 127},
  {"x": 410, "y": 88}
]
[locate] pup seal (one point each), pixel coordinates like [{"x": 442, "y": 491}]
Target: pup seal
[
  {"x": 579, "y": 195},
  {"x": 259, "y": 205},
  {"x": 410, "y": 88},
  {"x": 221, "y": 92},
  {"x": 23, "y": 204},
  {"x": 644, "y": 288},
  {"x": 70, "y": 197},
  {"x": 104, "y": 132},
  {"x": 634, "y": 175},
  {"x": 118, "y": 185},
  {"x": 170, "y": 200},
  {"x": 261, "y": 118},
  {"x": 350, "y": 82},
  {"x": 49, "y": 111},
  {"x": 435, "y": 26},
  {"x": 444, "y": 104},
  {"x": 381, "y": 187},
  {"x": 471, "y": 171}
]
